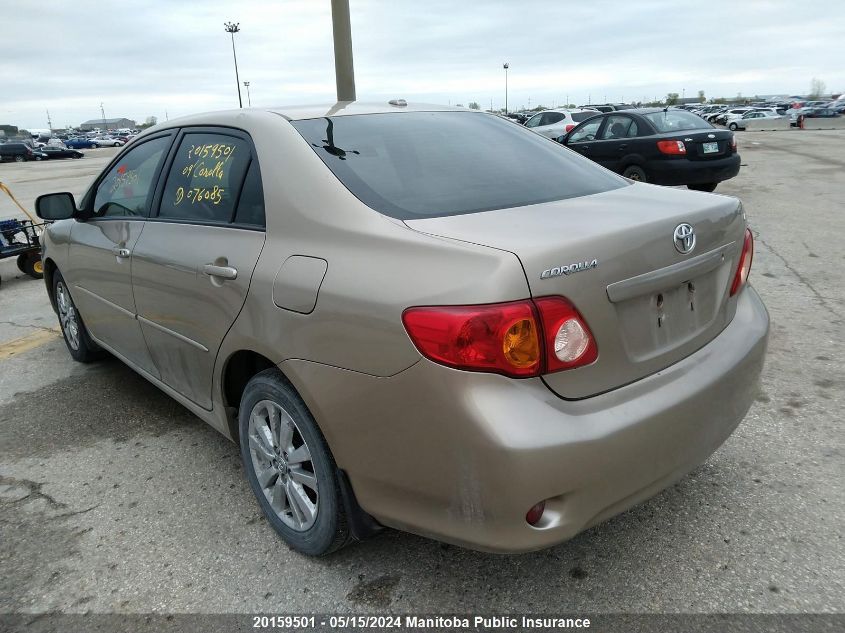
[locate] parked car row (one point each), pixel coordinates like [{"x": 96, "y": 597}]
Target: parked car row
[
  {"x": 21, "y": 151},
  {"x": 735, "y": 117}
]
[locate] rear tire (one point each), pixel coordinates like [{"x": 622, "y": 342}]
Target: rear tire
[
  {"x": 636, "y": 173},
  {"x": 20, "y": 159},
  {"x": 707, "y": 186},
  {"x": 82, "y": 349},
  {"x": 289, "y": 466}
]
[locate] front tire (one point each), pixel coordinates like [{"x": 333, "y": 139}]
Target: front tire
[
  {"x": 707, "y": 186},
  {"x": 289, "y": 466},
  {"x": 20, "y": 159},
  {"x": 79, "y": 343},
  {"x": 733, "y": 127},
  {"x": 636, "y": 173}
]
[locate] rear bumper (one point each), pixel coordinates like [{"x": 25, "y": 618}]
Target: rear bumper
[
  {"x": 683, "y": 171},
  {"x": 462, "y": 456}
]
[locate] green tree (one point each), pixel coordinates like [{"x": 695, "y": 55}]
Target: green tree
[
  {"x": 672, "y": 98},
  {"x": 473, "y": 105},
  {"x": 701, "y": 97}
]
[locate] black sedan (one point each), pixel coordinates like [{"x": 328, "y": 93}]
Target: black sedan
[
  {"x": 54, "y": 151},
  {"x": 657, "y": 145}
]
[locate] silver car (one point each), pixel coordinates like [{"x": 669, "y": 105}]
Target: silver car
[{"x": 418, "y": 317}]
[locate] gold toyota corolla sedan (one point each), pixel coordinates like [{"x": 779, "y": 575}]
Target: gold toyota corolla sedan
[{"x": 418, "y": 317}]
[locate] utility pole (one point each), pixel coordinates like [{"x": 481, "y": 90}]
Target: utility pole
[
  {"x": 103, "y": 112},
  {"x": 248, "y": 98},
  {"x": 49, "y": 123},
  {"x": 344, "y": 68},
  {"x": 506, "y": 66},
  {"x": 232, "y": 28}
]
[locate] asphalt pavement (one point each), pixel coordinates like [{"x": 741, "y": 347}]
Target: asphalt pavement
[{"x": 114, "y": 498}]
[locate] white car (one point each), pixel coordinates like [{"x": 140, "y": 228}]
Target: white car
[
  {"x": 740, "y": 123},
  {"x": 108, "y": 141},
  {"x": 555, "y": 123}
]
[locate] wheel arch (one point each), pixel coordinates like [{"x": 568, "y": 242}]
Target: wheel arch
[
  {"x": 631, "y": 159},
  {"x": 238, "y": 369},
  {"x": 49, "y": 270}
]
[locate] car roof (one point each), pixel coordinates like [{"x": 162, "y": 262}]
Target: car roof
[{"x": 314, "y": 111}]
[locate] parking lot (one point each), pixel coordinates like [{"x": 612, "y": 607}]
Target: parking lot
[{"x": 114, "y": 498}]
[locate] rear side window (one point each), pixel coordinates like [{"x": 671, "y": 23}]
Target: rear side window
[
  {"x": 251, "y": 204},
  {"x": 583, "y": 116},
  {"x": 125, "y": 190},
  {"x": 676, "y": 120},
  {"x": 429, "y": 164},
  {"x": 205, "y": 178}
]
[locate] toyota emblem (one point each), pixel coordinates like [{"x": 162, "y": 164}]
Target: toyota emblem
[{"x": 684, "y": 238}]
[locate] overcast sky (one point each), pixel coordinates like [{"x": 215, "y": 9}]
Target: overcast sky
[{"x": 169, "y": 57}]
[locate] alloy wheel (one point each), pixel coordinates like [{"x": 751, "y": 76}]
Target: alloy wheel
[
  {"x": 282, "y": 464},
  {"x": 67, "y": 316}
]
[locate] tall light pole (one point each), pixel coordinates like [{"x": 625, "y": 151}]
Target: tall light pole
[
  {"x": 506, "y": 66},
  {"x": 248, "y": 98},
  {"x": 103, "y": 112},
  {"x": 344, "y": 68},
  {"x": 232, "y": 28}
]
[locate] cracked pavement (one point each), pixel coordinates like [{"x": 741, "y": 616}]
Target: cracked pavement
[{"x": 113, "y": 498}]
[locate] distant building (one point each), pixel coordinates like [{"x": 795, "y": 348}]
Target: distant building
[{"x": 110, "y": 124}]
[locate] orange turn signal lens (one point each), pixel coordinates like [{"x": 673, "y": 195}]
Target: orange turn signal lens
[{"x": 520, "y": 344}]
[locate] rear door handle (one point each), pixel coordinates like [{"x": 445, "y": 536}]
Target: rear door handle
[
  {"x": 623, "y": 146},
  {"x": 223, "y": 272},
  {"x": 123, "y": 253}
]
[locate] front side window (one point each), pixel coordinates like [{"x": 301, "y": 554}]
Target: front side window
[
  {"x": 432, "y": 164},
  {"x": 587, "y": 132},
  {"x": 205, "y": 178},
  {"x": 126, "y": 189}
]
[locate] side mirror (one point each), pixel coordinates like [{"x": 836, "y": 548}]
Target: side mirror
[{"x": 55, "y": 206}]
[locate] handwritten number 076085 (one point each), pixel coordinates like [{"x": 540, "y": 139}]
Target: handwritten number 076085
[{"x": 214, "y": 195}]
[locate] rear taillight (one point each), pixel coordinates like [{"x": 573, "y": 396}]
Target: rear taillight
[
  {"x": 672, "y": 147},
  {"x": 520, "y": 339},
  {"x": 570, "y": 127},
  {"x": 744, "y": 268},
  {"x": 733, "y": 143},
  {"x": 567, "y": 340}
]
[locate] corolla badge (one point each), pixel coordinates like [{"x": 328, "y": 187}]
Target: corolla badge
[
  {"x": 684, "y": 237},
  {"x": 569, "y": 269}
]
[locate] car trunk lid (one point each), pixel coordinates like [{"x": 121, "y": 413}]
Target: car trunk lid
[{"x": 613, "y": 255}]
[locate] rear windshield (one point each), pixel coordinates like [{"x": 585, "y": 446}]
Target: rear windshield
[
  {"x": 583, "y": 116},
  {"x": 429, "y": 164},
  {"x": 675, "y": 120}
]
